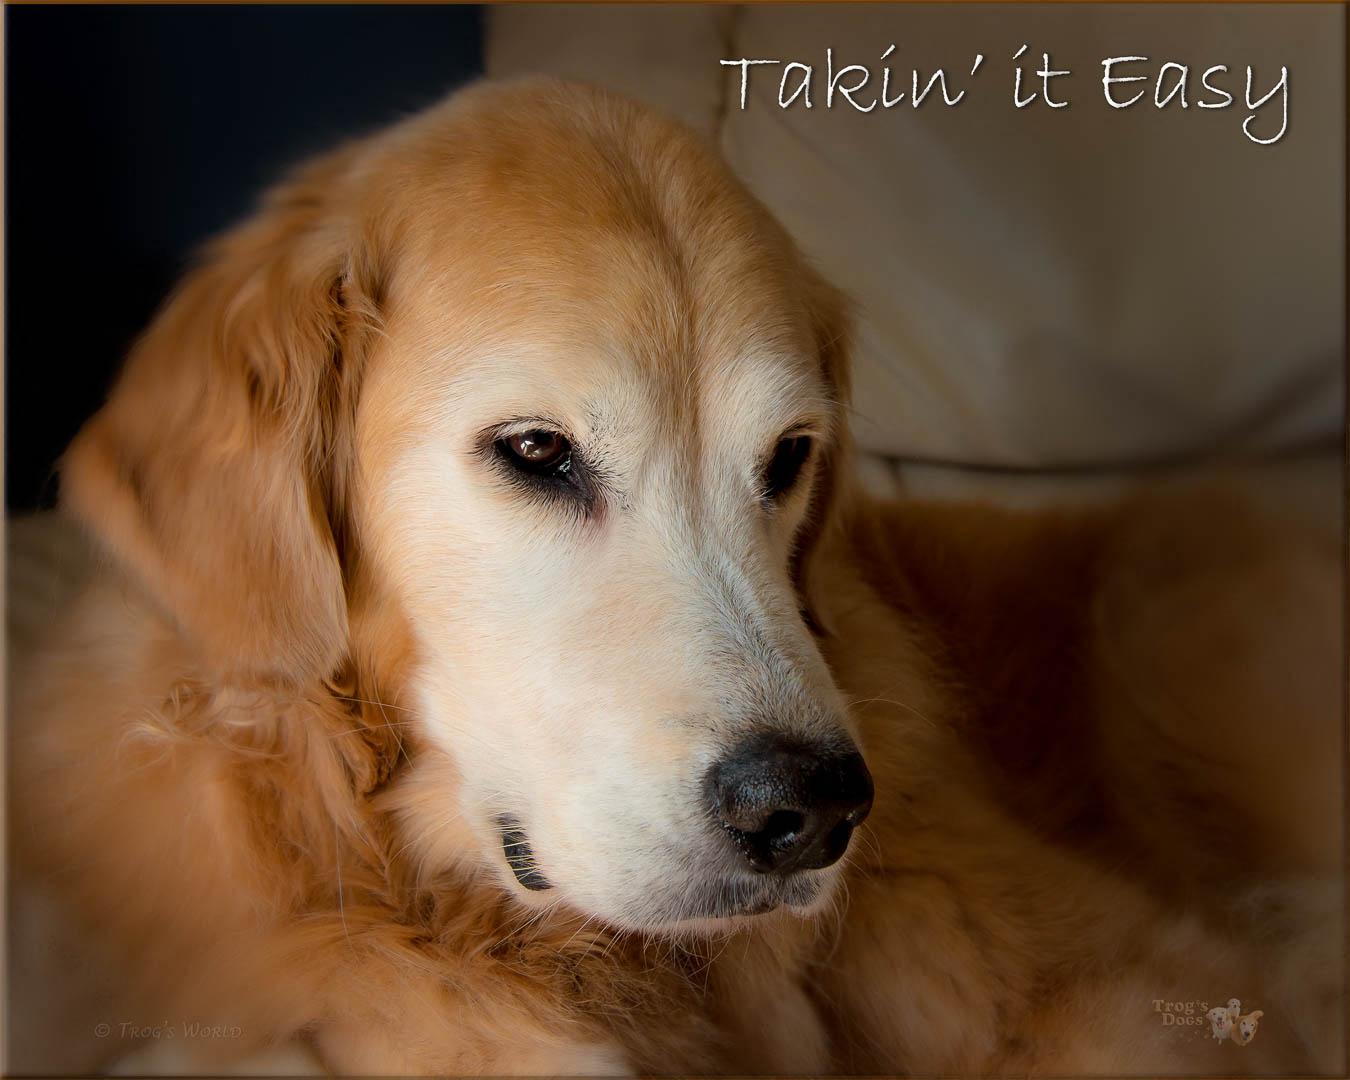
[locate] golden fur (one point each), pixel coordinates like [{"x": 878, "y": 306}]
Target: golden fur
[{"x": 225, "y": 770}]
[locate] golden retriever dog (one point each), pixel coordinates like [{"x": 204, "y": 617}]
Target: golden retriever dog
[{"x": 492, "y": 665}]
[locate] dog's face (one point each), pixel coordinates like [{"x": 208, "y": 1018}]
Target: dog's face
[
  {"x": 1219, "y": 1017},
  {"x": 582, "y": 458}
]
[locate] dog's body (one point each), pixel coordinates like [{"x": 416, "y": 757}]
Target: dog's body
[{"x": 263, "y": 775}]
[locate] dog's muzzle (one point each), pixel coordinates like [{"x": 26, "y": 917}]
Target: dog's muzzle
[{"x": 789, "y": 804}]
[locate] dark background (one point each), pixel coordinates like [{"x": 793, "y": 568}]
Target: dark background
[{"x": 134, "y": 133}]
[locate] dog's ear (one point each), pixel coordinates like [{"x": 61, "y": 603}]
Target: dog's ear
[
  {"x": 831, "y": 320},
  {"x": 214, "y": 468}
]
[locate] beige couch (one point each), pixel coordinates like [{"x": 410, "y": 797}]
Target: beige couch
[{"x": 1048, "y": 298}]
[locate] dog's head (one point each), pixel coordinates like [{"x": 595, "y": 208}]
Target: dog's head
[{"x": 535, "y": 374}]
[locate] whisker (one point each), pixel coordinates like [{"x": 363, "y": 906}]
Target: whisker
[
  {"x": 899, "y": 704},
  {"x": 387, "y": 723},
  {"x": 367, "y": 701},
  {"x": 392, "y": 725},
  {"x": 437, "y": 827},
  {"x": 578, "y": 930},
  {"x": 868, "y": 837},
  {"x": 342, "y": 904}
]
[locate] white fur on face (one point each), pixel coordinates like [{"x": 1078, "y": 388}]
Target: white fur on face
[{"x": 585, "y": 668}]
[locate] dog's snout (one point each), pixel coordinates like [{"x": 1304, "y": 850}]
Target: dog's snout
[{"x": 789, "y": 804}]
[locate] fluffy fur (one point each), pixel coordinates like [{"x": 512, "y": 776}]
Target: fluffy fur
[{"x": 255, "y": 772}]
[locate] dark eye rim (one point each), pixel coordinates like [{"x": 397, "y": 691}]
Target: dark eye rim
[
  {"x": 786, "y": 464},
  {"x": 568, "y": 481}
]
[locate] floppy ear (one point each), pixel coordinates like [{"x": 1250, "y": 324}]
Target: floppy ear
[
  {"x": 214, "y": 467},
  {"x": 831, "y": 320}
]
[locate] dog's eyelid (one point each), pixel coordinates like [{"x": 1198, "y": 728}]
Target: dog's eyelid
[
  {"x": 811, "y": 434},
  {"x": 801, "y": 431},
  {"x": 814, "y": 422},
  {"x": 521, "y": 425}
]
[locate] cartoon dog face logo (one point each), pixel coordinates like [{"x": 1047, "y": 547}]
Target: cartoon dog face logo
[{"x": 1227, "y": 1022}]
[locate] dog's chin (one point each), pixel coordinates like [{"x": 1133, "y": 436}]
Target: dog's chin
[
  {"x": 678, "y": 910},
  {"x": 719, "y": 907},
  {"x": 750, "y": 896},
  {"x": 675, "y": 903},
  {"x": 732, "y": 905}
]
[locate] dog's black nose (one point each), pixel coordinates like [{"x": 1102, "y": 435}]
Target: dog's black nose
[{"x": 789, "y": 804}]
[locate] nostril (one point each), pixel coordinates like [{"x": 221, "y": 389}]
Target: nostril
[{"x": 782, "y": 825}]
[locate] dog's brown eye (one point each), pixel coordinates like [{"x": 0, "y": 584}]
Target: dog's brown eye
[
  {"x": 788, "y": 458},
  {"x": 540, "y": 451}
]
